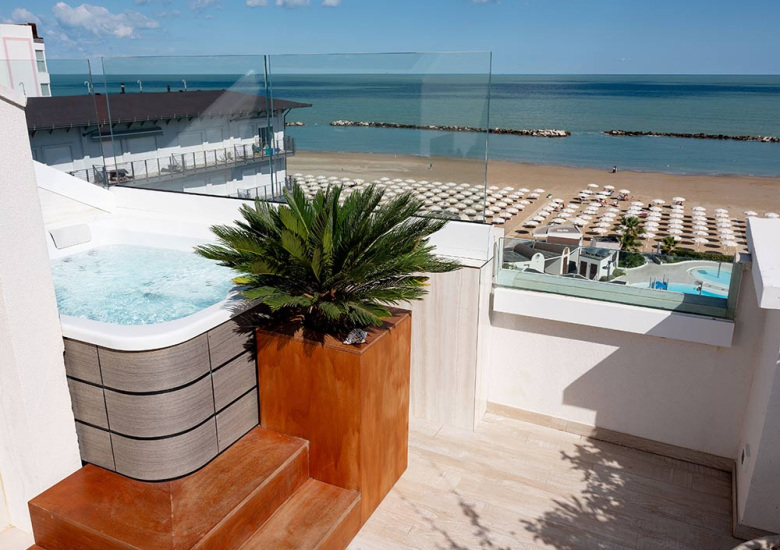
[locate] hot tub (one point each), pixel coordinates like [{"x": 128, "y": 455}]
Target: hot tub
[{"x": 159, "y": 356}]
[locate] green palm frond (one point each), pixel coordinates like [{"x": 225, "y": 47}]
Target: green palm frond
[{"x": 334, "y": 264}]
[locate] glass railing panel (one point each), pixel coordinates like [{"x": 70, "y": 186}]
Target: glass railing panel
[
  {"x": 671, "y": 282},
  {"x": 406, "y": 122},
  {"x": 202, "y": 125},
  {"x": 61, "y": 110}
]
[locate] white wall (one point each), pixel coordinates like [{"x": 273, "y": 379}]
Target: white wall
[
  {"x": 18, "y": 69},
  {"x": 758, "y": 455},
  {"x": 38, "y": 445},
  {"x": 681, "y": 393}
]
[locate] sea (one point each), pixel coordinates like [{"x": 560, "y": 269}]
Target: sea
[{"x": 585, "y": 105}]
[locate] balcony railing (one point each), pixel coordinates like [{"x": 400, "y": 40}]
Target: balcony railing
[
  {"x": 669, "y": 282},
  {"x": 176, "y": 165}
]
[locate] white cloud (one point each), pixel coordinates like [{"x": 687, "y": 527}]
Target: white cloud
[
  {"x": 198, "y": 5},
  {"x": 99, "y": 21},
  {"x": 23, "y": 15},
  {"x": 331, "y": 3},
  {"x": 293, "y": 3},
  {"x": 256, "y": 3}
]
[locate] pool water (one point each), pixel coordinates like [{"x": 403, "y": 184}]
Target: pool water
[
  {"x": 137, "y": 285},
  {"x": 710, "y": 275},
  {"x": 689, "y": 289}
]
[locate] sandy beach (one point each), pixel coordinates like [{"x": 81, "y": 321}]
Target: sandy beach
[{"x": 737, "y": 194}]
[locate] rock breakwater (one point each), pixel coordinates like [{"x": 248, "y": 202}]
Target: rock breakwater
[
  {"x": 548, "y": 133},
  {"x": 763, "y": 139}
]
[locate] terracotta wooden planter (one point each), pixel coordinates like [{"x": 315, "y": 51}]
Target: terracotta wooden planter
[{"x": 350, "y": 402}]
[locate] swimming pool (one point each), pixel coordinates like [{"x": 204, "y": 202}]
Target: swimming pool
[
  {"x": 689, "y": 289},
  {"x": 711, "y": 275},
  {"x": 126, "y": 284}
]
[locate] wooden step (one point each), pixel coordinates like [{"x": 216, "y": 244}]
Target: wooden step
[
  {"x": 318, "y": 516},
  {"x": 219, "y": 506}
]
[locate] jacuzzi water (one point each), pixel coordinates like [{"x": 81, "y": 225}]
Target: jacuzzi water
[
  {"x": 137, "y": 285},
  {"x": 711, "y": 275}
]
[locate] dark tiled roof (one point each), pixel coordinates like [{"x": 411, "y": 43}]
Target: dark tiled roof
[{"x": 46, "y": 113}]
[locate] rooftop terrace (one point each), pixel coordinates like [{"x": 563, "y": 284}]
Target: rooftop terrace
[{"x": 515, "y": 485}]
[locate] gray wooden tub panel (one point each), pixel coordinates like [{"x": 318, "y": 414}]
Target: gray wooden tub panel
[
  {"x": 158, "y": 370},
  {"x": 237, "y": 419},
  {"x": 161, "y": 414},
  {"x": 234, "y": 379},
  {"x": 155, "y": 459}
]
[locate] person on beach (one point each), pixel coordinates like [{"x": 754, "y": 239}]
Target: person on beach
[{"x": 614, "y": 169}]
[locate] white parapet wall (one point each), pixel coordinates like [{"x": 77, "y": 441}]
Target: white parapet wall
[
  {"x": 679, "y": 389},
  {"x": 38, "y": 444},
  {"x": 758, "y": 455}
]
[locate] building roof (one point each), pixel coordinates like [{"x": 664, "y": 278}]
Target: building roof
[
  {"x": 558, "y": 230},
  {"x": 49, "y": 113}
]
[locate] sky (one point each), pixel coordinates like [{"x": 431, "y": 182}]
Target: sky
[{"x": 524, "y": 36}]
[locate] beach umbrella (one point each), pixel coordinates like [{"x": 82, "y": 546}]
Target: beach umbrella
[
  {"x": 721, "y": 211},
  {"x": 724, "y": 223},
  {"x": 678, "y": 199},
  {"x": 637, "y": 203},
  {"x": 600, "y": 230},
  {"x": 592, "y": 185},
  {"x": 513, "y": 210},
  {"x": 699, "y": 209},
  {"x": 523, "y": 190},
  {"x": 604, "y": 224},
  {"x": 558, "y": 220},
  {"x": 609, "y": 187},
  {"x": 533, "y": 195},
  {"x": 470, "y": 211},
  {"x": 525, "y": 202},
  {"x": 651, "y": 224},
  {"x": 624, "y": 191},
  {"x": 675, "y": 232},
  {"x": 497, "y": 220},
  {"x": 659, "y": 201},
  {"x": 531, "y": 223},
  {"x": 539, "y": 190},
  {"x": 750, "y": 213},
  {"x": 569, "y": 210},
  {"x": 648, "y": 235},
  {"x": 492, "y": 187},
  {"x": 613, "y": 210},
  {"x": 603, "y": 193},
  {"x": 656, "y": 209},
  {"x": 772, "y": 215},
  {"x": 508, "y": 188},
  {"x": 586, "y": 192},
  {"x": 701, "y": 233},
  {"x": 700, "y": 241},
  {"x": 557, "y": 201},
  {"x": 730, "y": 244},
  {"x": 564, "y": 215},
  {"x": 700, "y": 228}
]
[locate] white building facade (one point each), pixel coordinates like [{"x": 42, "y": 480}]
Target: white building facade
[
  {"x": 217, "y": 142},
  {"x": 23, "y": 66}
]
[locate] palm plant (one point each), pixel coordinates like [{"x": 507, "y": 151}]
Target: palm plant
[
  {"x": 629, "y": 238},
  {"x": 330, "y": 266},
  {"x": 668, "y": 245}
]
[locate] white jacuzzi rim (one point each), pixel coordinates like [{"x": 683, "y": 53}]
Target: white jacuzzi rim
[{"x": 153, "y": 336}]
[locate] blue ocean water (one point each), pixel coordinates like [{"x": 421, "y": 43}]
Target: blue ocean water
[{"x": 585, "y": 105}]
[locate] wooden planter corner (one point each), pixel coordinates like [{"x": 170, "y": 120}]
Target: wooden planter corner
[{"x": 350, "y": 402}]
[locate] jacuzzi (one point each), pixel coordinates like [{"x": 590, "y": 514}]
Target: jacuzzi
[{"x": 157, "y": 400}]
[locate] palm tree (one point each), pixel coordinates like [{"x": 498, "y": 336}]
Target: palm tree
[
  {"x": 629, "y": 238},
  {"x": 330, "y": 266},
  {"x": 668, "y": 245}
]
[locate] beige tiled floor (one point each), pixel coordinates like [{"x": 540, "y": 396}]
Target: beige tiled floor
[{"x": 513, "y": 485}]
